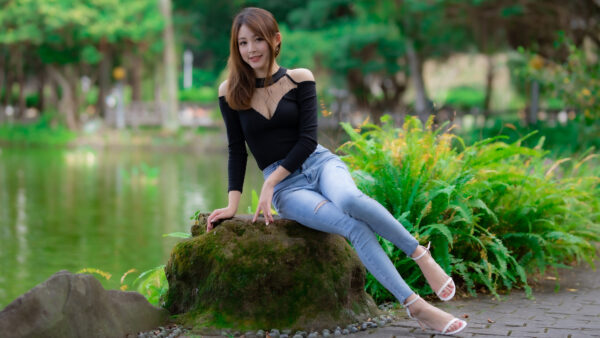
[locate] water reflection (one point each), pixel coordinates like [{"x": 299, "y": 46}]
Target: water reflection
[{"x": 74, "y": 209}]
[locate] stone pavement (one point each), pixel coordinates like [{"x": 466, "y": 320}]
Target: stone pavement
[{"x": 571, "y": 311}]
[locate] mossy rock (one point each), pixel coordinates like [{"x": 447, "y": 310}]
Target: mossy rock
[{"x": 250, "y": 276}]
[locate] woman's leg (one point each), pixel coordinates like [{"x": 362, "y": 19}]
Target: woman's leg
[
  {"x": 338, "y": 186},
  {"x": 315, "y": 211}
]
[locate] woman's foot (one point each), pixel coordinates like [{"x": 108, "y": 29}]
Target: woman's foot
[
  {"x": 438, "y": 280},
  {"x": 431, "y": 317}
]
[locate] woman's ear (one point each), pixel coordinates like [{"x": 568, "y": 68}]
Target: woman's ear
[{"x": 277, "y": 39}]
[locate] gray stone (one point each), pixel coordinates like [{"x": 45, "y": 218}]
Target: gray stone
[
  {"x": 284, "y": 335},
  {"x": 381, "y": 323},
  {"x": 286, "y": 331},
  {"x": 345, "y": 332},
  {"x": 326, "y": 333},
  {"x": 330, "y": 277},
  {"x": 353, "y": 329},
  {"x": 313, "y": 335},
  {"x": 337, "y": 332},
  {"x": 274, "y": 333},
  {"x": 364, "y": 326},
  {"x": 260, "y": 333},
  {"x": 297, "y": 336},
  {"x": 76, "y": 305},
  {"x": 249, "y": 334}
]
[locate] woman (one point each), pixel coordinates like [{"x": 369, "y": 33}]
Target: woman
[{"x": 274, "y": 111}]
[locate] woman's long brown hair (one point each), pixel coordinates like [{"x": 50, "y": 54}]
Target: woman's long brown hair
[{"x": 241, "y": 79}]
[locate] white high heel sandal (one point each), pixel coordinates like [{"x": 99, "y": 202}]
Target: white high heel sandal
[
  {"x": 445, "y": 330},
  {"x": 439, "y": 291}
]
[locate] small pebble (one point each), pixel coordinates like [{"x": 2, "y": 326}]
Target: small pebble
[
  {"x": 260, "y": 333},
  {"x": 381, "y": 323},
  {"x": 249, "y": 334},
  {"x": 283, "y": 335},
  {"x": 337, "y": 333},
  {"x": 274, "y": 333},
  {"x": 364, "y": 326},
  {"x": 353, "y": 329},
  {"x": 326, "y": 333},
  {"x": 345, "y": 332},
  {"x": 298, "y": 336},
  {"x": 313, "y": 335},
  {"x": 286, "y": 331}
]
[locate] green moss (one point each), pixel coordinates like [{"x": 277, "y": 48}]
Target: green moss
[{"x": 250, "y": 276}]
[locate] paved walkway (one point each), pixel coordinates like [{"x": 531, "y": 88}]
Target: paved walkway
[{"x": 572, "y": 311}]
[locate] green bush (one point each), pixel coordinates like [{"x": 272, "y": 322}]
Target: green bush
[
  {"x": 575, "y": 136},
  {"x": 494, "y": 211},
  {"x": 40, "y": 132},
  {"x": 200, "y": 95},
  {"x": 464, "y": 97}
]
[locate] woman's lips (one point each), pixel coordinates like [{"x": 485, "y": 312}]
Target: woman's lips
[{"x": 255, "y": 58}]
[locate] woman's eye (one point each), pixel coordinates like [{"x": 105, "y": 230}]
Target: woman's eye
[
  {"x": 259, "y": 39},
  {"x": 242, "y": 43}
]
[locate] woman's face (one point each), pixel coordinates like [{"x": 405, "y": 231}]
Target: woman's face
[{"x": 254, "y": 50}]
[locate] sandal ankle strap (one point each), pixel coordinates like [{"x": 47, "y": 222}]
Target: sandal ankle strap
[
  {"x": 417, "y": 297},
  {"x": 424, "y": 252}
]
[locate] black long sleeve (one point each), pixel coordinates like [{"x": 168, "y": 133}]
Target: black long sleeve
[{"x": 238, "y": 157}]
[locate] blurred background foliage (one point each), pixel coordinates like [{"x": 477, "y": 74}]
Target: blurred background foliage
[
  {"x": 370, "y": 54},
  {"x": 477, "y": 69}
]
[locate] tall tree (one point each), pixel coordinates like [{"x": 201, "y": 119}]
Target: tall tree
[{"x": 170, "y": 64}]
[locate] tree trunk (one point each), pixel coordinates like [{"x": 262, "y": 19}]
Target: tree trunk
[
  {"x": 2, "y": 82},
  {"x": 534, "y": 104},
  {"x": 103, "y": 78},
  {"x": 422, "y": 106},
  {"x": 489, "y": 79},
  {"x": 158, "y": 100},
  {"x": 136, "y": 71},
  {"x": 41, "y": 106},
  {"x": 21, "y": 80},
  {"x": 9, "y": 80},
  {"x": 170, "y": 64},
  {"x": 68, "y": 98}
]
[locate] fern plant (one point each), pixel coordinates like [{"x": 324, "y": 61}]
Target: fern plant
[{"x": 494, "y": 212}]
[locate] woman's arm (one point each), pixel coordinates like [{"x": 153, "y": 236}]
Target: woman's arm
[
  {"x": 306, "y": 144},
  {"x": 307, "y": 119},
  {"x": 224, "y": 213},
  {"x": 236, "y": 163},
  {"x": 266, "y": 194}
]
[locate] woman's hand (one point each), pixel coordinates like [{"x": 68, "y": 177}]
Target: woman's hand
[
  {"x": 218, "y": 214},
  {"x": 264, "y": 202}
]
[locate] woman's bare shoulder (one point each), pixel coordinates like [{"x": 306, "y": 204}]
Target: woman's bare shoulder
[
  {"x": 223, "y": 88},
  {"x": 301, "y": 74}
]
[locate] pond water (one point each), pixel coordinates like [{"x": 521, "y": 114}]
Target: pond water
[{"x": 105, "y": 209}]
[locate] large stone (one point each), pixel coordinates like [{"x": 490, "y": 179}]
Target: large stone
[
  {"x": 76, "y": 305},
  {"x": 249, "y": 276}
]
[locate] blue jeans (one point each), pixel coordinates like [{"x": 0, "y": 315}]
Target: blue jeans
[{"x": 322, "y": 195}]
